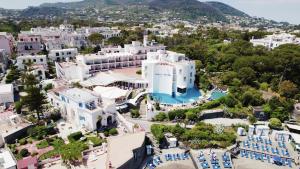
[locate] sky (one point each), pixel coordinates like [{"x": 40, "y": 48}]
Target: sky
[{"x": 278, "y": 10}]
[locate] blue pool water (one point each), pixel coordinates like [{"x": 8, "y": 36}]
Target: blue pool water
[
  {"x": 192, "y": 95},
  {"x": 217, "y": 94}
]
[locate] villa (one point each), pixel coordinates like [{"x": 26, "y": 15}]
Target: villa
[
  {"x": 82, "y": 107},
  {"x": 34, "y": 59},
  {"x": 168, "y": 73},
  {"x": 275, "y": 40},
  {"x": 29, "y": 43}
]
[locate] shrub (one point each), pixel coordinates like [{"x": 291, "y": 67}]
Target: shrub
[
  {"x": 96, "y": 141},
  {"x": 106, "y": 133},
  {"x": 252, "y": 119},
  {"x": 24, "y": 152},
  {"x": 177, "y": 114},
  {"x": 135, "y": 113},
  {"x": 113, "y": 131},
  {"x": 161, "y": 116},
  {"x": 23, "y": 141},
  {"x": 37, "y": 132},
  {"x": 42, "y": 144},
  {"x": 191, "y": 115},
  {"x": 275, "y": 123},
  {"x": 75, "y": 136}
]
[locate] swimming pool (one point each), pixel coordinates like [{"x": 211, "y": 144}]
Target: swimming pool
[
  {"x": 216, "y": 94},
  {"x": 192, "y": 95}
]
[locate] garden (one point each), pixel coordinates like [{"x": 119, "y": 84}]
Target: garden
[{"x": 200, "y": 136}]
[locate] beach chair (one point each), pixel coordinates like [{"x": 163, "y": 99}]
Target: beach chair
[
  {"x": 174, "y": 157},
  {"x": 289, "y": 161},
  {"x": 268, "y": 158}
]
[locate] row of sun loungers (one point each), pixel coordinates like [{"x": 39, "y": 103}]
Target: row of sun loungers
[
  {"x": 267, "y": 148},
  {"x": 215, "y": 164},
  {"x": 265, "y": 157},
  {"x": 175, "y": 157}
]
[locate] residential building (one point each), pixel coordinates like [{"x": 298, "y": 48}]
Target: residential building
[
  {"x": 34, "y": 59},
  {"x": 63, "y": 54},
  {"x": 129, "y": 156},
  {"x": 82, "y": 107},
  {"x": 6, "y": 93},
  {"x": 168, "y": 73},
  {"x": 7, "y": 42},
  {"x": 3, "y": 60},
  {"x": 107, "y": 32},
  {"x": 7, "y": 160},
  {"x": 29, "y": 43},
  {"x": 275, "y": 40}
]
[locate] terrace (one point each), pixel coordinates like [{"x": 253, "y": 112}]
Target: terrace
[{"x": 273, "y": 151}]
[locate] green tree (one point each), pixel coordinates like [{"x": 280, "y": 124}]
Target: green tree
[
  {"x": 161, "y": 116},
  {"x": 96, "y": 38},
  {"x": 247, "y": 75},
  {"x": 288, "y": 89}
]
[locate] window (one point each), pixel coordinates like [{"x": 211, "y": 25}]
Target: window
[
  {"x": 31, "y": 39},
  {"x": 80, "y": 105},
  {"x": 57, "y": 54},
  {"x": 191, "y": 81},
  {"x": 62, "y": 53},
  {"x": 181, "y": 90},
  {"x": 41, "y": 60},
  {"x": 180, "y": 71},
  {"x": 34, "y": 60},
  {"x": 191, "y": 74},
  {"x": 184, "y": 79}
]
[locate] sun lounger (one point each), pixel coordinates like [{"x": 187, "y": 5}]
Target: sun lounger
[{"x": 289, "y": 161}]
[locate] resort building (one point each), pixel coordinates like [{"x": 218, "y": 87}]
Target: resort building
[
  {"x": 63, "y": 54},
  {"x": 7, "y": 42},
  {"x": 3, "y": 60},
  {"x": 7, "y": 160},
  {"x": 168, "y": 73},
  {"x": 34, "y": 59},
  {"x": 107, "y": 59},
  {"x": 129, "y": 156},
  {"x": 275, "y": 40},
  {"x": 82, "y": 107},
  {"x": 6, "y": 93}
]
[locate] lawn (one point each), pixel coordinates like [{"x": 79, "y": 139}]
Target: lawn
[{"x": 42, "y": 144}]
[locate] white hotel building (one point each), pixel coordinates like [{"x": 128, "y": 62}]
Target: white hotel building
[
  {"x": 275, "y": 40},
  {"x": 82, "y": 107},
  {"x": 168, "y": 72},
  {"x": 108, "y": 59}
]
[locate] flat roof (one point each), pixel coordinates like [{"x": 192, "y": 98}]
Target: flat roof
[
  {"x": 6, "y": 159},
  {"x": 110, "y": 92},
  {"x": 292, "y": 126},
  {"x": 6, "y": 88},
  {"x": 120, "y": 148},
  {"x": 296, "y": 138},
  {"x": 77, "y": 94}
]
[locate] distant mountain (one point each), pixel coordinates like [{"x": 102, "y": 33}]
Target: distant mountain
[
  {"x": 184, "y": 9},
  {"x": 226, "y": 9}
]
